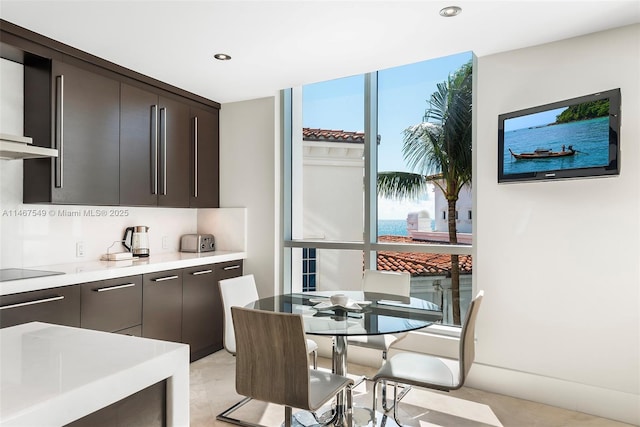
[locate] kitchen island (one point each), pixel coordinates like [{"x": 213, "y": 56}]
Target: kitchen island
[{"x": 53, "y": 375}]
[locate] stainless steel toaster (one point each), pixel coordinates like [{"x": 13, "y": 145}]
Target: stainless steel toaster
[{"x": 197, "y": 243}]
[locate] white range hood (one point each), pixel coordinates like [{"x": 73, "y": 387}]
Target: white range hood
[{"x": 14, "y": 147}]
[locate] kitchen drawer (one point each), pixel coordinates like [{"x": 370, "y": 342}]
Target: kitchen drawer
[
  {"x": 229, "y": 269},
  {"x": 56, "y": 305},
  {"x": 112, "y": 305}
]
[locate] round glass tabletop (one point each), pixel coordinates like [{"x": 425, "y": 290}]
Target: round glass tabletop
[{"x": 365, "y": 313}]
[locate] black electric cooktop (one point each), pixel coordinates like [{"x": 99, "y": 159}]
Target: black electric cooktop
[{"x": 7, "y": 274}]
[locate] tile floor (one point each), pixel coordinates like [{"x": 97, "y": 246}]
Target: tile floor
[{"x": 213, "y": 390}]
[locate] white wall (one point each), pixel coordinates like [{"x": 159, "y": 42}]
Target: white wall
[
  {"x": 559, "y": 261},
  {"x": 463, "y": 206},
  {"x": 250, "y": 153}
]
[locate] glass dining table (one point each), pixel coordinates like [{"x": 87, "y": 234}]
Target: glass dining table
[{"x": 366, "y": 313}]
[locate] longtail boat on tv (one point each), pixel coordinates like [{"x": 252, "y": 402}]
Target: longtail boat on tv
[{"x": 543, "y": 153}]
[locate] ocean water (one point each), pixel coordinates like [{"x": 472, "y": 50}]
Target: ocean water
[
  {"x": 392, "y": 227},
  {"x": 589, "y": 137}
]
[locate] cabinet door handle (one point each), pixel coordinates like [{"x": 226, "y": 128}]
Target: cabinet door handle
[
  {"x": 59, "y": 138},
  {"x": 195, "y": 156},
  {"x": 197, "y": 273},
  {"x": 162, "y": 279},
  {"x": 231, "y": 267},
  {"x": 163, "y": 146},
  {"x": 113, "y": 288},
  {"x": 37, "y": 301},
  {"x": 154, "y": 149}
]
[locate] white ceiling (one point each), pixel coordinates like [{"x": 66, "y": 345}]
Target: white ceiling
[{"x": 279, "y": 44}]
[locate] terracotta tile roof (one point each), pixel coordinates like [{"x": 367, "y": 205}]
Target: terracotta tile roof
[
  {"x": 419, "y": 264},
  {"x": 329, "y": 135}
]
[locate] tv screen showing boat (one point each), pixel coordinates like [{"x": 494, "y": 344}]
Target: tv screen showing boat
[{"x": 573, "y": 138}]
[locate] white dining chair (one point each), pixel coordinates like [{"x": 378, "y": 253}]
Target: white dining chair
[
  {"x": 240, "y": 291},
  {"x": 385, "y": 282},
  {"x": 424, "y": 370}
]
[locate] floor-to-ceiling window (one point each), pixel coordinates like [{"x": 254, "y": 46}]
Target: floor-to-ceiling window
[{"x": 365, "y": 189}]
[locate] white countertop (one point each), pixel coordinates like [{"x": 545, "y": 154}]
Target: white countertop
[
  {"x": 52, "y": 375},
  {"x": 91, "y": 271}
]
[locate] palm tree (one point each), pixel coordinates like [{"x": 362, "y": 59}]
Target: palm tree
[{"x": 438, "y": 151}]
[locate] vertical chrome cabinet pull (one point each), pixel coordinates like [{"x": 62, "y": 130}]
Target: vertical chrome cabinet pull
[
  {"x": 197, "y": 273},
  {"x": 163, "y": 144},
  {"x": 38, "y": 301},
  {"x": 195, "y": 156},
  {"x": 59, "y": 138},
  {"x": 231, "y": 267},
  {"x": 154, "y": 149}
]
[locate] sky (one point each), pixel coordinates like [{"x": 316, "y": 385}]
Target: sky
[
  {"x": 532, "y": 120},
  {"x": 403, "y": 97}
]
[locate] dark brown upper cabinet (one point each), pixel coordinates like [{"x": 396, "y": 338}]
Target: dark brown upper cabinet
[
  {"x": 154, "y": 149},
  {"x": 205, "y": 143},
  {"x": 75, "y": 111},
  {"x": 124, "y": 138}
]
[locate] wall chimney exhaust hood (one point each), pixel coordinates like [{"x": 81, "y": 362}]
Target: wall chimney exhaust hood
[{"x": 14, "y": 147}]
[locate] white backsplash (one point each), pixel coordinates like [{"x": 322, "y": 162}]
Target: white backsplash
[
  {"x": 35, "y": 235},
  {"x": 228, "y": 226}
]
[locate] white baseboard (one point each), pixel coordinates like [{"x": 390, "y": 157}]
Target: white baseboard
[
  {"x": 598, "y": 401},
  {"x": 601, "y": 402}
]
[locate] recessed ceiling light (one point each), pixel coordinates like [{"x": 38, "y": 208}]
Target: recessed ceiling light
[
  {"x": 450, "y": 11},
  {"x": 222, "y": 56}
]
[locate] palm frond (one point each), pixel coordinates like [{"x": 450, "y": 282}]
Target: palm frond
[{"x": 401, "y": 185}]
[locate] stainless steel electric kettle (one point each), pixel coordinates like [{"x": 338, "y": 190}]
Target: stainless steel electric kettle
[{"x": 136, "y": 240}]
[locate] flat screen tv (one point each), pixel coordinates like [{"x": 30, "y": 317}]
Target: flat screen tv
[{"x": 573, "y": 138}]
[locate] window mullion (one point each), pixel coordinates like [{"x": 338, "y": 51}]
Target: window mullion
[{"x": 370, "y": 168}]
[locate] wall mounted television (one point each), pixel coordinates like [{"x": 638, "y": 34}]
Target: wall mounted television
[{"x": 573, "y": 138}]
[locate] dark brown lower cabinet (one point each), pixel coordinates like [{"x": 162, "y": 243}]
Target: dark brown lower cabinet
[
  {"x": 199, "y": 299},
  {"x": 112, "y": 305},
  {"x": 144, "y": 408},
  {"x": 202, "y": 313},
  {"x": 58, "y": 305},
  {"x": 181, "y": 305},
  {"x": 162, "y": 305}
]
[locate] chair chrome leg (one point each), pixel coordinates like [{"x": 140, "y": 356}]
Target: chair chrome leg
[
  {"x": 405, "y": 389},
  {"x": 396, "y": 403},
  {"x": 224, "y": 415},
  {"x": 385, "y": 407},
  {"x": 349, "y": 406},
  {"x": 315, "y": 359},
  {"x": 375, "y": 403}
]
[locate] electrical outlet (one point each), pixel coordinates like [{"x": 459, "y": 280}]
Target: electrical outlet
[
  {"x": 79, "y": 249},
  {"x": 165, "y": 242}
]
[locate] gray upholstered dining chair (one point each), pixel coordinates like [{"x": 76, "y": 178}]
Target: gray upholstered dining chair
[
  {"x": 386, "y": 282},
  {"x": 240, "y": 291},
  {"x": 272, "y": 366},
  {"x": 423, "y": 370}
]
